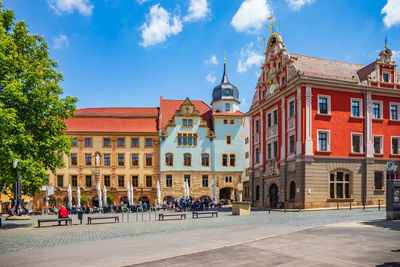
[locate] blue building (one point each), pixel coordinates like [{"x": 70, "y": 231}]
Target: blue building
[{"x": 200, "y": 144}]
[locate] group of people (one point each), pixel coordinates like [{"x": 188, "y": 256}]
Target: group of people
[{"x": 184, "y": 204}]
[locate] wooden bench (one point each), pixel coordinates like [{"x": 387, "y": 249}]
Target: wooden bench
[
  {"x": 59, "y": 220},
  {"x": 195, "y": 214},
  {"x": 90, "y": 219},
  {"x": 161, "y": 216}
]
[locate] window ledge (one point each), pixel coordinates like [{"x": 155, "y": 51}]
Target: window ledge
[
  {"x": 379, "y": 190},
  {"x": 379, "y": 154},
  {"x": 375, "y": 119},
  {"x": 391, "y": 120},
  {"x": 325, "y": 115},
  {"x": 323, "y": 151},
  {"x": 353, "y": 117},
  {"x": 395, "y": 155},
  {"x": 357, "y": 153}
]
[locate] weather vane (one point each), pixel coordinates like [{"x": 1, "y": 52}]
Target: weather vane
[
  {"x": 272, "y": 24},
  {"x": 385, "y": 41}
]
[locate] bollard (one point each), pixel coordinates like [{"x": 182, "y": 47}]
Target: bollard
[
  {"x": 142, "y": 214},
  {"x": 122, "y": 211},
  {"x": 150, "y": 214},
  {"x": 285, "y": 207},
  {"x": 136, "y": 214},
  {"x": 350, "y": 204},
  {"x": 155, "y": 214},
  {"x": 379, "y": 204},
  {"x": 127, "y": 216},
  {"x": 269, "y": 208},
  {"x": 299, "y": 207},
  {"x": 363, "y": 204},
  {"x": 337, "y": 203}
]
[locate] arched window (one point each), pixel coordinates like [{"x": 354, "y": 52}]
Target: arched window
[
  {"x": 257, "y": 192},
  {"x": 339, "y": 185},
  {"x": 169, "y": 159},
  {"x": 205, "y": 159},
  {"x": 292, "y": 190},
  {"x": 187, "y": 159}
]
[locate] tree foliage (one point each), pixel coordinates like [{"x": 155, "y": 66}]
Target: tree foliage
[
  {"x": 84, "y": 199},
  {"x": 110, "y": 199},
  {"x": 32, "y": 111}
]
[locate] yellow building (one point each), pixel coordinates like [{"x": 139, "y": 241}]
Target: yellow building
[{"x": 111, "y": 147}]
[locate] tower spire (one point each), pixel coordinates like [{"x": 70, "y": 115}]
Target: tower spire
[
  {"x": 385, "y": 41},
  {"x": 224, "y": 76}
]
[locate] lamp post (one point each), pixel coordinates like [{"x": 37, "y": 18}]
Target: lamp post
[{"x": 18, "y": 207}]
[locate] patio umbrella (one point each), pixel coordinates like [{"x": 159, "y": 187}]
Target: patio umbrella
[
  {"x": 184, "y": 190},
  {"x": 99, "y": 195},
  {"x": 213, "y": 189},
  {"x": 131, "y": 194},
  {"x": 158, "y": 193},
  {"x": 128, "y": 192},
  {"x": 187, "y": 189},
  {"x": 78, "y": 196},
  {"x": 104, "y": 196},
  {"x": 69, "y": 196}
]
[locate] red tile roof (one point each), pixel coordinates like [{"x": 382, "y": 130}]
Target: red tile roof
[
  {"x": 107, "y": 124},
  {"x": 168, "y": 108},
  {"x": 120, "y": 120},
  {"x": 117, "y": 112},
  {"x": 220, "y": 113}
]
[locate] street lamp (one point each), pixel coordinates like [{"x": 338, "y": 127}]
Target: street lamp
[{"x": 18, "y": 203}]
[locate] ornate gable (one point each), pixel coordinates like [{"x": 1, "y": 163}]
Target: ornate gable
[{"x": 187, "y": 109}]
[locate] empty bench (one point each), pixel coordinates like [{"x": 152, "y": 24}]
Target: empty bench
[
  {"x": 161, "y": 216},
  {"x": 90, "y": 219},
  {"x": 195, "y": 214},
  {"x": 59, "y": 220}
]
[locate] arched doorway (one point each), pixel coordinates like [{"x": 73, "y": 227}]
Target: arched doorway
[
  {"x": 124, "y": 200},
  {"x": 95, "y": 202},
  {"x": 144, "y": 199},
  {"x": 169, "y": 199},
  {"x": 225, "y": 193},
  {"x": 273, "y": 196}
]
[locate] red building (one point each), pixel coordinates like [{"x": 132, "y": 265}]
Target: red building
[{"x": 323, "y": 130}]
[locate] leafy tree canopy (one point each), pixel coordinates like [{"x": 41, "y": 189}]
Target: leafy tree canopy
[{"x": 32, "y": 111}]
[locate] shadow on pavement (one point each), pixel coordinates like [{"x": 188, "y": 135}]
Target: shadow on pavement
[
  {"x": 392, "y": 225},
  {"x": 15, "y": 226},
  {"x": 389, "y": 264}
]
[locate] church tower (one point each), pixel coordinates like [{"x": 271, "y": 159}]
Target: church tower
[{"x": 225, "y": 95}]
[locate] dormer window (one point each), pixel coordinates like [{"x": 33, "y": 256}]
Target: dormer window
[{"x": 227, "y": 107}]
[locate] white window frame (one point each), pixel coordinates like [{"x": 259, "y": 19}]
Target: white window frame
[
  {"x": 328, "y": 97},
  {"x": 398, "y": 110},
  {"x": 380, "y": 109},
  {"x": 391, "y": 145},
  {"x": 328, "y": 140},
  {"x": 288, "y": 107},
  {"x": 388, "y": 74},
  {"x": 291, "y": 133},
  {"x": 359, "y": 100},
  {"x": 381, "y": 148},
  {"x": 361, "y": 143}
]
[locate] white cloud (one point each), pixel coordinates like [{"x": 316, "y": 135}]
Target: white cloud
[
  {"x": 392, "y": 13},
  {"x": 213, "y": 60},
  {"x": 142, "y": 1},
  {"x": 69, "y": 6},
  {"x": 249, "y": 58},
  {"x": 251, "y": 15},
  {"x": 159, "y": 25},
  {"x": 198, "y": 9},
  {"x": 298, "y": 4},
  {"x": 396, "y": 55},
  {"x": 60, "y": 41},
  {"x": 211, "y": 78}
]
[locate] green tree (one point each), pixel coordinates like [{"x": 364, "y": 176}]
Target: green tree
[
  {"x": 32, "y": 111},
  {"x": 110, "y": 199},
  {"x": 84, "y": 199}
]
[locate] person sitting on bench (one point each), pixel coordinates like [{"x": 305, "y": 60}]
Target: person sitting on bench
[{"x": 63, "y": 212}]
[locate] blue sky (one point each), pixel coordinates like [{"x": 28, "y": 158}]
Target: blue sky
[{"x": 130, "y": 52}]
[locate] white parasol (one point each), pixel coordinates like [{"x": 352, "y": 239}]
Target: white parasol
[
  {"x": 99, "y": 195},
  {"x": 132, "y": 202},
  {"x": 78, "y": 196},
  {"x": 213, "y": 189},
  {"x": 104, "y": 196},
  {"x": 128, "y": 193},
  {"x": 69, "y": 196},
  {"x": 158, "y": 193}
]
